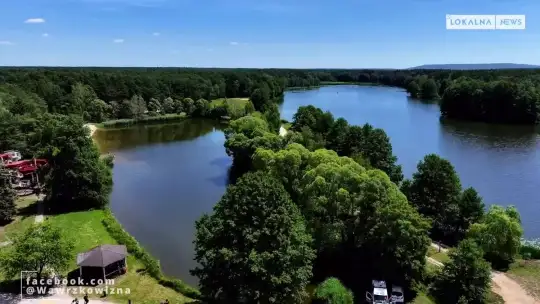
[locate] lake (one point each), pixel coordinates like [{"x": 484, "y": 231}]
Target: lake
[{"x": 167, "y": 176}]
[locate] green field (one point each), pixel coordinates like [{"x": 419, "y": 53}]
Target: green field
[
  {"x": 234, "y": 102},
  {"x": 23, "y": 219}
]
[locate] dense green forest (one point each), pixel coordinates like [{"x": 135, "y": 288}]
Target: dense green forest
[
  {"x": 501, "y": 96},
  {"x": 326, "y": 204}
]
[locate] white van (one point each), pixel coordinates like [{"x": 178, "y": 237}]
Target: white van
[{"x": 380, "y": 294}]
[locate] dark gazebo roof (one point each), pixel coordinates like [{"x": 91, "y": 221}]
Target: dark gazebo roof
[{"x": 102, "y": 256}]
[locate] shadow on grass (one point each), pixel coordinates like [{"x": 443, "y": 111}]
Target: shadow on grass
[
  {"x": 52, "y": 208},
  {"x": 29, "y": 210}
]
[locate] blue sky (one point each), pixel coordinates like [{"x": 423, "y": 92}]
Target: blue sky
[{"x": 259, "y": 33}]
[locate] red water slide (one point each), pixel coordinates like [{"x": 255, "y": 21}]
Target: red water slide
[{"x": 26, "y": 166}]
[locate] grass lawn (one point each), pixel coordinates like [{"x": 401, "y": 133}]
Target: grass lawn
[
  {"x": 21, "y": 221},
  {"x": 494, "y": 298},
  {"x": 527, "y": 274},
  {"x": 439, "y": 256},
  {"x": 423, "y": 298},
  {"x": 234, "y": 102},
  {"x": 85, "y": 229}
]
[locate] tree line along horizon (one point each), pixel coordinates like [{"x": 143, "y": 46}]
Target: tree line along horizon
[
  {"x": 326, "y": 201},
  {"x": 493, "y": 96}
]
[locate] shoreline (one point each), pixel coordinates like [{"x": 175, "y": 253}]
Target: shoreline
[{"x": 118, "y": 233}]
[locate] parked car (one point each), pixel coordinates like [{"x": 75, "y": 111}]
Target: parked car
[
  {"x": 397, "y": 295},
  {"x": 380, "y": 293}
]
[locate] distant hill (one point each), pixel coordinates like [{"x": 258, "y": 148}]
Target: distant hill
[{"x": 475, "y": 66}]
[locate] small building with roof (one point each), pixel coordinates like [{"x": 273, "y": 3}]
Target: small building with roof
[{"x": 104, "y": 260}]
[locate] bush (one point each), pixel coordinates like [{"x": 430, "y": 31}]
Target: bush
[
  {"x": 530, "y": 249},
  {"x": 152, "y": 265},
  {"x": 466, "y": 277},
  {"x": 331, "y": 291}
]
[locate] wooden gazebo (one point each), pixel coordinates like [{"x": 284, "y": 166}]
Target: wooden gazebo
[{"x": 110, "y": 258}]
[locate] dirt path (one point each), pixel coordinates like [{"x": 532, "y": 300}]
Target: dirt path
[{"x": 508, "y": 289}]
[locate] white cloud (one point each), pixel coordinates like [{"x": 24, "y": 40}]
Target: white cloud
[
  {"x": 118, "y": 40},
  {"x": 233, "y": 43},
  {"x": 45, "y": 35},
  {"x": 156, "y": 34},
  {"x": 5, "y": 42},
  {"x": 139, "y": 3},
  {"x": 35, "y": 20}
]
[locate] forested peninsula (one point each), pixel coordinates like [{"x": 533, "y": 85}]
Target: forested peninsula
[{"x": 313, "y": 214}]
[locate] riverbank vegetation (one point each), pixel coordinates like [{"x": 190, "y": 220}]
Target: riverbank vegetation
[
  {"x": 362, "y": 224},
  {"x": 76, "y": 183}
]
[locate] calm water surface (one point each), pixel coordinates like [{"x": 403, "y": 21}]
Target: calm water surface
[{"x": 167, "y": 176}]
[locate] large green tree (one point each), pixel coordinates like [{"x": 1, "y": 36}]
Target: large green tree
[
  {"x": 359, "y": 219},
  {"x": 470, "y": 211},
  {"x": 320, "y": 129},
  {"x": 499, "y": 235},
  {"x": 245, "y": 135},
  {"x": 254, "y": 248},
  {"x": 429, "y": 89},
  {"x": 78, "y": 178},
  {"x": 7, "y": 197},
  {"x": 434, "y": 191},
  {"x": 466, "y": 278},
  {"x": 260, "y": 97},
  {"x": 39, "y": 247}
]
